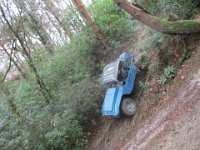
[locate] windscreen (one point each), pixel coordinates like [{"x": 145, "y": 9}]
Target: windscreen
[{"x": 110, "y": 73}]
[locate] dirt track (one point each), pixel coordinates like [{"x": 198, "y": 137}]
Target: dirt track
[{"x": 176, "y": 125}]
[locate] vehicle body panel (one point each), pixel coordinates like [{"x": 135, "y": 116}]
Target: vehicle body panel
[{"x": 113, "y": 97}]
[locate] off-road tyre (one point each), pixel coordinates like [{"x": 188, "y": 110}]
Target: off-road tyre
[{"x": 128, "y": 106}]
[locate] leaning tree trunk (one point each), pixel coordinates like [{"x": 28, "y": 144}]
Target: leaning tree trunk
[
  {"x": 18, "y": 61},
  {"x": 55, "y": 12},
  {"x": 35, "y": 24},
  {"x": 81, "y": 8},
  {"x": 161, "y": 25},
  {"x": 10, "y": 102},
  {"x": 40, "y": 31},
  {"x": 19, "y": 68},
  {"x": 57, "y": 27}
]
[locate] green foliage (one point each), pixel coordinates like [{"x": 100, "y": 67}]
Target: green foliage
[
  {"x": 169, "y": 73},
  {"x": 68, "y": 134},
  {"x": 69, "y": 75},
  {"x": 162, "y": 80},
  {"x": 59, "y": 125},
  {"x": 143, "y": 62},
  {"x": 149, "y": 40},
  {"x": 112, "y": 20},
  {"x": 147, "y": 47},
  {"x": 154, "y": 66},
  {"x": 72, "y": 18},
  {"x": 143, "y": 85},
  {"x": 42, "y": 131},
  {"x": 172, "y": 9},
  {"x": 102, "y": 65}
]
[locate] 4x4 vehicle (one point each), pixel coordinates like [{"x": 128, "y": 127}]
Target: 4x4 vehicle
[{"x": 119, "y": 76}]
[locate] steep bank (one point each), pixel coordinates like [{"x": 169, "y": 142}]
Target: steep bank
[{"x": 172, "y": 113}]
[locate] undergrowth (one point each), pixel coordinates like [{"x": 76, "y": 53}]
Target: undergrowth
[
  {"x": 71, "y": 76},
  {"x": 171, "y": 9},
  {"x": 169, "y": 73},
  {"x": 112, "y": 20}
]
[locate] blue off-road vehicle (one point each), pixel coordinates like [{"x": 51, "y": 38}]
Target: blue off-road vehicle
[{"x": 119, "y": 76}]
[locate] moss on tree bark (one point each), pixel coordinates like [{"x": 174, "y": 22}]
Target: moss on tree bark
[{"x": 160, "y": 24}]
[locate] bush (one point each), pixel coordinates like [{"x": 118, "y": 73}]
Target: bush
[
  {"x": 43, "y": 130},
  {"x": 169, "y": 73},
  {"x": 75, "y": 94},
  {"x": 147, "y": 47},
  {"x": 69, "y": 75},
  {"x": 143, "y": 85},
  {"x": 112, "y": 20},
  {"x": 66, "y": 133},
  {"x": 172, "y": 9}
]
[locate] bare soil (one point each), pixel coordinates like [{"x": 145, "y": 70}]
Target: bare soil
[{"x": 168, "y": 117}]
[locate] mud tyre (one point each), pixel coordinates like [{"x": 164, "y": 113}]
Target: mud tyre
[{"x": 128, "y": 106}]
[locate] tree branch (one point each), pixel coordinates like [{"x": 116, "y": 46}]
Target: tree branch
[
  {"x": 9, "y": 67},
  {"x": 161, "y": 25}
]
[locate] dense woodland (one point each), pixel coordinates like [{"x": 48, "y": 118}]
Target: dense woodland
[{"x": 53, "y": 51}]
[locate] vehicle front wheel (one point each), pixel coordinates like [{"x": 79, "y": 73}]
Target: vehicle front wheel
[{"x": 128, "y": 106}]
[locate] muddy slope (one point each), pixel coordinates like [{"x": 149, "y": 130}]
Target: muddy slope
[
  {"x": 176, "y": 125},
  {"x": 173, "y": 123}
]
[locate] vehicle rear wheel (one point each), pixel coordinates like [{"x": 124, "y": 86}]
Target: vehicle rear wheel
[{"x": 128, "y": 106}]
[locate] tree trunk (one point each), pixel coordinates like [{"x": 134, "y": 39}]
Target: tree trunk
[
  {"x": 81, "y": 8},
  {"x": 40, "y": 31},
  {"x": 35, "y": 24},
  {"x": 19, "y": 61},
  {"x": 54, "y": 11},
  {"x": 10, "y": 102},
  {"x": 76, "y": 20},
  {"x": 161, "y": 25},
  {"x": 57, "y": 27},
  {"x": 40, "y": 82},
  {"x": 14, "y": 62}
]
